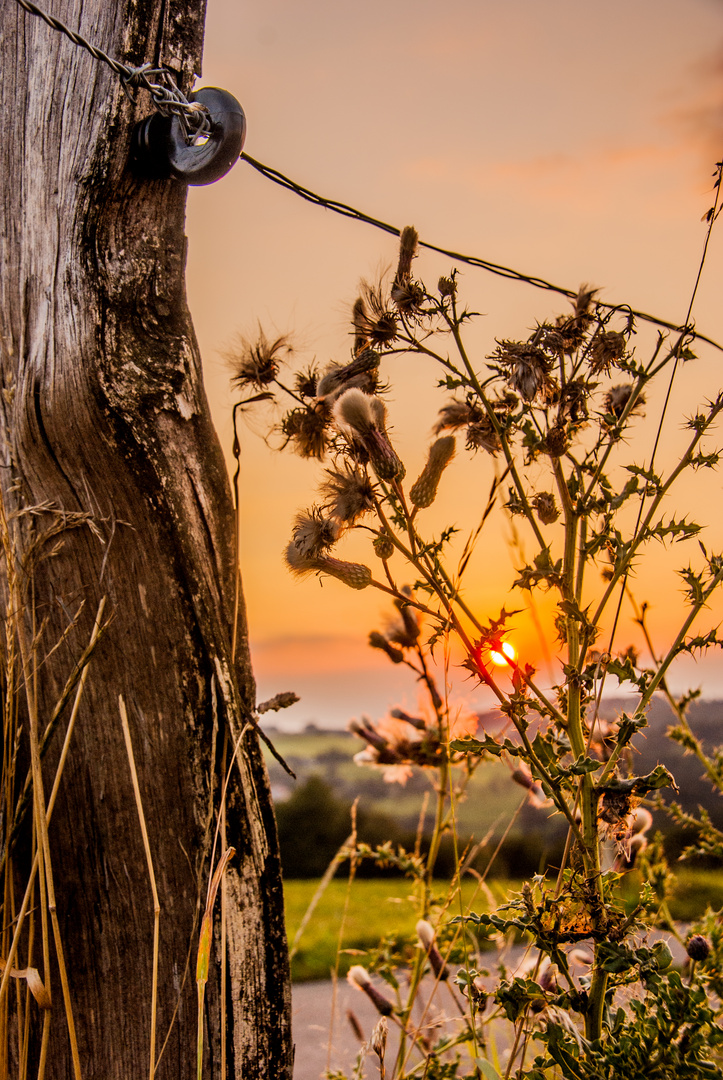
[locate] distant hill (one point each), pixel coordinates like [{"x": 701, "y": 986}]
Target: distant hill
[{"x": 492, "y": 797}]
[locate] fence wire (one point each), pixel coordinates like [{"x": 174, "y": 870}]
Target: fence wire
[{"x": 471, "y": 260}]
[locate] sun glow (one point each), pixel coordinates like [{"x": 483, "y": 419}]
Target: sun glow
[{"x": 504, "y": 655}]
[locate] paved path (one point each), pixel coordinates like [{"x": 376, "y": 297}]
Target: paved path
[{"x": 323, "y": 1034}]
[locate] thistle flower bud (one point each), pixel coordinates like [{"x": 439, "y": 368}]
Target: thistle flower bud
[
  {"x": 411, "y": 619},
  {"x": 546, "y": 507},
  {"x": 446, "y": 286},
  {"x": 663, "y": 955},
  {"x": 697, "y": 948},
  {"x": 406, "y": 294},
  {"x": 355, "y": 575},
  {"x": 277, "y": 702},
  {"x": 536, "y": 793},
  {"x": 378, "y": 641},
  {"x": 415, "y": 721},
  {"x": 355, "y": 1025},
  {"x": 366, "y": 731},
  {"x": 425, "y": 933},
  {"x": 361, "y": 373},
  {"x": 358, "y": 977},
  {"x": 383, "y": 547},
  {"x": 423, "y": 492},
  {"x": 408, "y": 243}
]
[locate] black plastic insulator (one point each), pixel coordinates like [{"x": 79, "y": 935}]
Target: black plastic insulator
[{"x": 159, "y": 149}]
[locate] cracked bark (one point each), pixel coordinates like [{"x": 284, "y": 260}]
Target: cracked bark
[{"x": 103, "y": 412}]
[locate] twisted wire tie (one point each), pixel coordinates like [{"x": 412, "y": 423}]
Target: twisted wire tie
[{"x": 168, "y": 98}]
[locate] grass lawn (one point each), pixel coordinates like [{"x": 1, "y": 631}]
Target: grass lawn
[
  {"x": 378, "y": 908},
  {"x": 387, "y": 908}
]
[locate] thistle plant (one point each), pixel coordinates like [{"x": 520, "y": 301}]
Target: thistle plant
[{"x": 549, "y": 419}]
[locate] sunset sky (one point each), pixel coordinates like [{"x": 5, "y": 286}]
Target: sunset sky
[{"x": 568, "y": 140}]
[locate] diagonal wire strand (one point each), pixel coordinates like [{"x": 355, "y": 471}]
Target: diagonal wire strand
[{"x": 471, "y": 260}]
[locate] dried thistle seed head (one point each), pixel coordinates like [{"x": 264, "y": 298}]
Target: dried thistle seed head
[
  {"x": 456, "y": 414},
  {"x": 698, "y": 948},
  {"x": 616, "y": 400},
  {"x": 383, "y": 546},
  {"x": 556, "y": 441},
  {"x": 361, "y": 418},
  {"x": 362, "y": 373},
  {"x": 481, "y": 435},
  {"x": 306, "y": 381},
  {"x": 408, "y": 244},
  {"x": 447, "y": 286},
  {"x": 358, "y": 977},
  {"x": 573, "y": 330},
  {"x": 528, "y": 369},
  {"x": 550, "y": 338},
  {"x": 378, "y": 1040},
  {"x": 583, "y": 300},
  {"x": 374, "y": 322},
  {"x": 424, "y": 490},
  {"x": 573, "y": 398},
  {"x": 313, "y": 533},
  {"x": 547, "y": 977},
  {"x": 608, "y": 348},
  {"x": 299, "y": 563},
  {"x": 357, "y": 414},
  {"x": 306, "y": 427},
  {"x": 348, "y": 493},
  {"x": 546, "y": 507},
  {"x": 425, "y": 933},
  {"x": 408, "y": 296},
  {"x": 256, "y": 362}
]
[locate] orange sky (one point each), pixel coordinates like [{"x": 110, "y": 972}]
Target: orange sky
[{"x": 567, "y": 140}]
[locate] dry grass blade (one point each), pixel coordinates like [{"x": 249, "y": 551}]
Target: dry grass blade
[
  {"x": 204, "y": 949},
  {"x": 152, "y": 876},
  {"x": 36, "y": 986},
  {"x": 331, "y": 869},
  {"x": 7, "y": 973}
]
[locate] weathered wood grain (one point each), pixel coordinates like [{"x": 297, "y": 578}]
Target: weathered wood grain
[{"x": 102, "y": 411}]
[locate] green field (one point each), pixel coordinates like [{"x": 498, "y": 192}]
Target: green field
[
  {"x": 489, "y": 802},
  {"x": 387, "y": 908}
]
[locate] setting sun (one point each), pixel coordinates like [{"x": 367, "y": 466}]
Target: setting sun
[{"x": 506, "y": 653}]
